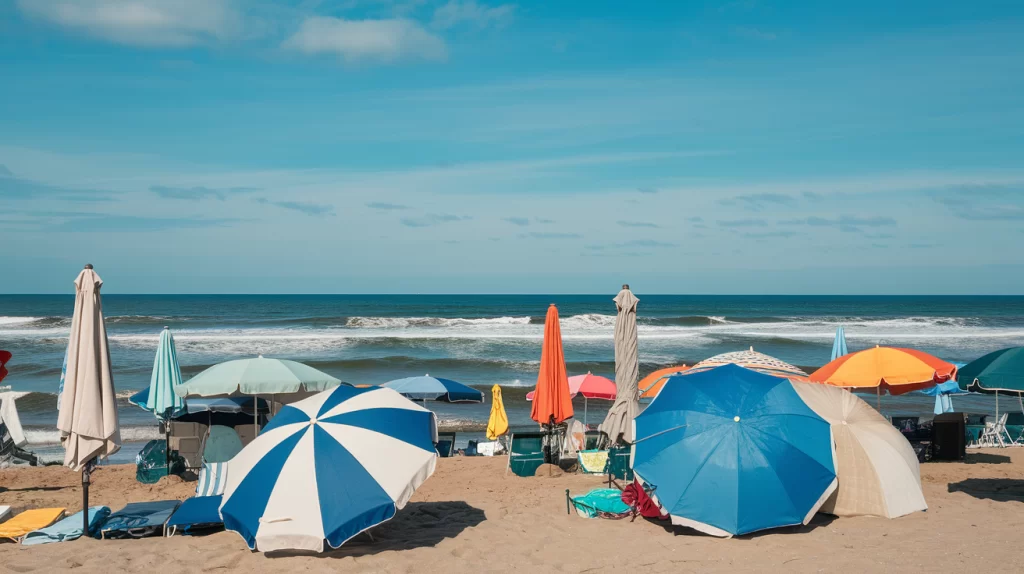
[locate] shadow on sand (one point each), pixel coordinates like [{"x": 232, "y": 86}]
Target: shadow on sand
[
  {"x": 985, "y": 458},
  {"x": 419, "y": 524},
  {"x": 999, "y": 489}
]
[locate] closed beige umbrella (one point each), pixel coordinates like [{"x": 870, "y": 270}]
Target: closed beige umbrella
[
  {"x": 627, "y": 370},
  {"x": 87, "y": 419},
  {"x": 877, "y": 468}
]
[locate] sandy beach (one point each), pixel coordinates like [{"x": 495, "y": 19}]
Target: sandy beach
[{"x": 471, "y": 517}]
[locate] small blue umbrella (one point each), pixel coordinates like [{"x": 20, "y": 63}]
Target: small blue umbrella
[
  {"x": 943, "y": 393},
  {"x": 731, "y": 451},
  {"x": 427, "y": 388},
  {"x": 839, "y": 345}
]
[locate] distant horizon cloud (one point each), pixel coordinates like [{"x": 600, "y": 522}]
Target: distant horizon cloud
[{"x": 198, "y": 192}]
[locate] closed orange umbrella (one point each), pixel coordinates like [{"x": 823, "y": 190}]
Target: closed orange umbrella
[
  {"x": 891, "y": 369},
  {"x": 651, "y": 385},
  {"x": 552, "y": 402}
]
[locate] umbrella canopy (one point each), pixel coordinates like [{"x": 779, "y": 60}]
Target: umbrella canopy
[
  {"x": 87, "y": 417},
  {"x": 999, "y": 371},
  {"x": 329, "y": 467},
  {"x": 259, "y": 376},
  {"x": 161, "y": 399},
  {"x": 591, "y": 386},
  {"x": 552, "y": 400},
  {"x": 203, "y": 405},
  {"x": 651, "y": 385},
  {"x": 877, "y": 468},
  {"x": 497, "y": 425},
  {"x": 839, "y": 345},
  {"x": 734, "y": 451},
  {"x": 754, "y": 361},
  {"x": 427, "y": 388},
  {"x": 891, "y": 369},
  {"x": 619, "y": 420},
  {"x": 4, "y": 357}
]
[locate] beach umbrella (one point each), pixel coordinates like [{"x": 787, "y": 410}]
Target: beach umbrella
[
  {"x": 87, "y": 418},
  {"x": 877, "y": 468},
  {"x": 427, "y": 388},
  {"x": 734, "y": 451},
  {"x": 161, "y": 399},
  {"x": 999, "y": 371},
  {"x": 619, "y": 421},
  {"x": 754, "y": 361},
  {"x": 839, "y": 345},
  {"x": 329, "y": 467},
  {"x": 591, "y": 386},
  {"x": 650, "y": 385},
  {"x": 497, "y": 425},
  {"x": 885, "y": 369},
  {"x": 552, "y": 402}
]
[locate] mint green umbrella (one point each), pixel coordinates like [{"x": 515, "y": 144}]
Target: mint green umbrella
[
  {"x": 259, "y": 376},
  {"x": 162, "y": 400}
]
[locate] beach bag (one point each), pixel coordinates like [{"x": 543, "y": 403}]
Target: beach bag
[
  {"x": 601, "y": 503},
  {"x": 151, "y": 462}
]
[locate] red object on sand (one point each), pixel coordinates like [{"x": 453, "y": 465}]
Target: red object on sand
[
  {"x": 552, "y": 401},
  {"x": 636, "y": 497},
  {"x": 4, "y": 357}
]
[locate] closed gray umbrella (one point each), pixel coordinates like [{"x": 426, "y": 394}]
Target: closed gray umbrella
[
  {"x": 87, "y": 419},
  {"x": 627, "y": 370}
]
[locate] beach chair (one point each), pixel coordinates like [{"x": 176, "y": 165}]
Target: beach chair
[
  {"x": 222, "y": 444},
  {"x": 68, "y": 529},
  {"x": 594, "y": 439},
  {"x": 617, "y": 467},
  {"x": 526, "y": 452},
  {"x": 139, "y": 519},
  {"x": 213, "y": 478},
  {"x": 994, "y": 434},
  {"x": 593, "y": 461},
  {"x": 445, "y": 444},
  {"x": 16, "y": 528},
  {"x": 5, "y": 513},
  {"x": 197, "y": 515}
]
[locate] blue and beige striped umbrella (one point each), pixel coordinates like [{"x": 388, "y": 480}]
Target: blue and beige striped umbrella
[
  {"x": 427, "y": 388},
  {"x": 329, "y": 467}
]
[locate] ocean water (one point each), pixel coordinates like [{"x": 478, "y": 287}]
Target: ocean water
[{"x": 483, "y": 340}]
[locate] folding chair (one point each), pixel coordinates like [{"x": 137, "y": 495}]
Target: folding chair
[
  {"x": 445, "y": 444},
  {"x": 525, "y": 452}
]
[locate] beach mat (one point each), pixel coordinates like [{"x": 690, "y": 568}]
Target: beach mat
[
  {"x": 139, "y": 519},
  {"x": 196, "y": 515},
  {"x": 16, "y": 528},
  {"x": 70, "y": 528}
]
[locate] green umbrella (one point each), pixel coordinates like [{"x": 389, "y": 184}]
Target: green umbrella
[
  {"x": 162, "y": 400},
  {"x": 259, "y": 376},
  {"x": 999, "y": 371}
]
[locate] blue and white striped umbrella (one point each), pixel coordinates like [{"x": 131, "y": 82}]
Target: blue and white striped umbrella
[
  {"x": 329, "y": 467},
  {"x": 427, "y": 388}
]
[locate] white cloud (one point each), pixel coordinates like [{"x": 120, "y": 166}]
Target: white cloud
[
  {"x": 456, "y": 12},
  {"x": 154, "y": 23},
  {"x": 361, "y": 40}
]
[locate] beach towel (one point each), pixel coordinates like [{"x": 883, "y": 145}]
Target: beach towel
[
  {"x": 601, "y": 503},
  {"x": 593, "y": 461},
  {"x": 212, "y": 479},
  {"x": 195, "y": 516},
  {"x": 5, "y": 511},
  {"x": 16, "y": 528},
  {"x": 636, "y": 497},
  {"x": 68, "y": 529},
  {"x": 139, "y": 519}
]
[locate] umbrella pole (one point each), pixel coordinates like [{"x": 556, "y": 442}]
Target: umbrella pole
[
  {"x": 878, "y": 398},
  {"x": 167, "y": 446},
  {"x": 584, "y": 409},
  {"x": 997, "y": 406},
  {"x": 255, "y": 415},
  {"x": 85, "y": 500}
]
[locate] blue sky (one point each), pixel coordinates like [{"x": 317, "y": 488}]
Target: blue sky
[{"x": 467, "y": 146}]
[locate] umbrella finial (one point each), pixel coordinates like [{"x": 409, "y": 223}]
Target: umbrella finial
[
  {"x": 166, "y": 328},
  {"x": 260, "y": 356},
  {"x": 625, "y": 286},
  {"x": 88, "y": 265}
]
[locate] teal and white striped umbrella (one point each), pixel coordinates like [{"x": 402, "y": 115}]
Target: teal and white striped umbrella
[{"x": 162, "y": 400}]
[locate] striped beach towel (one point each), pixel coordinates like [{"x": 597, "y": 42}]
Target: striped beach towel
[{"x": 213, "y": 478}]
